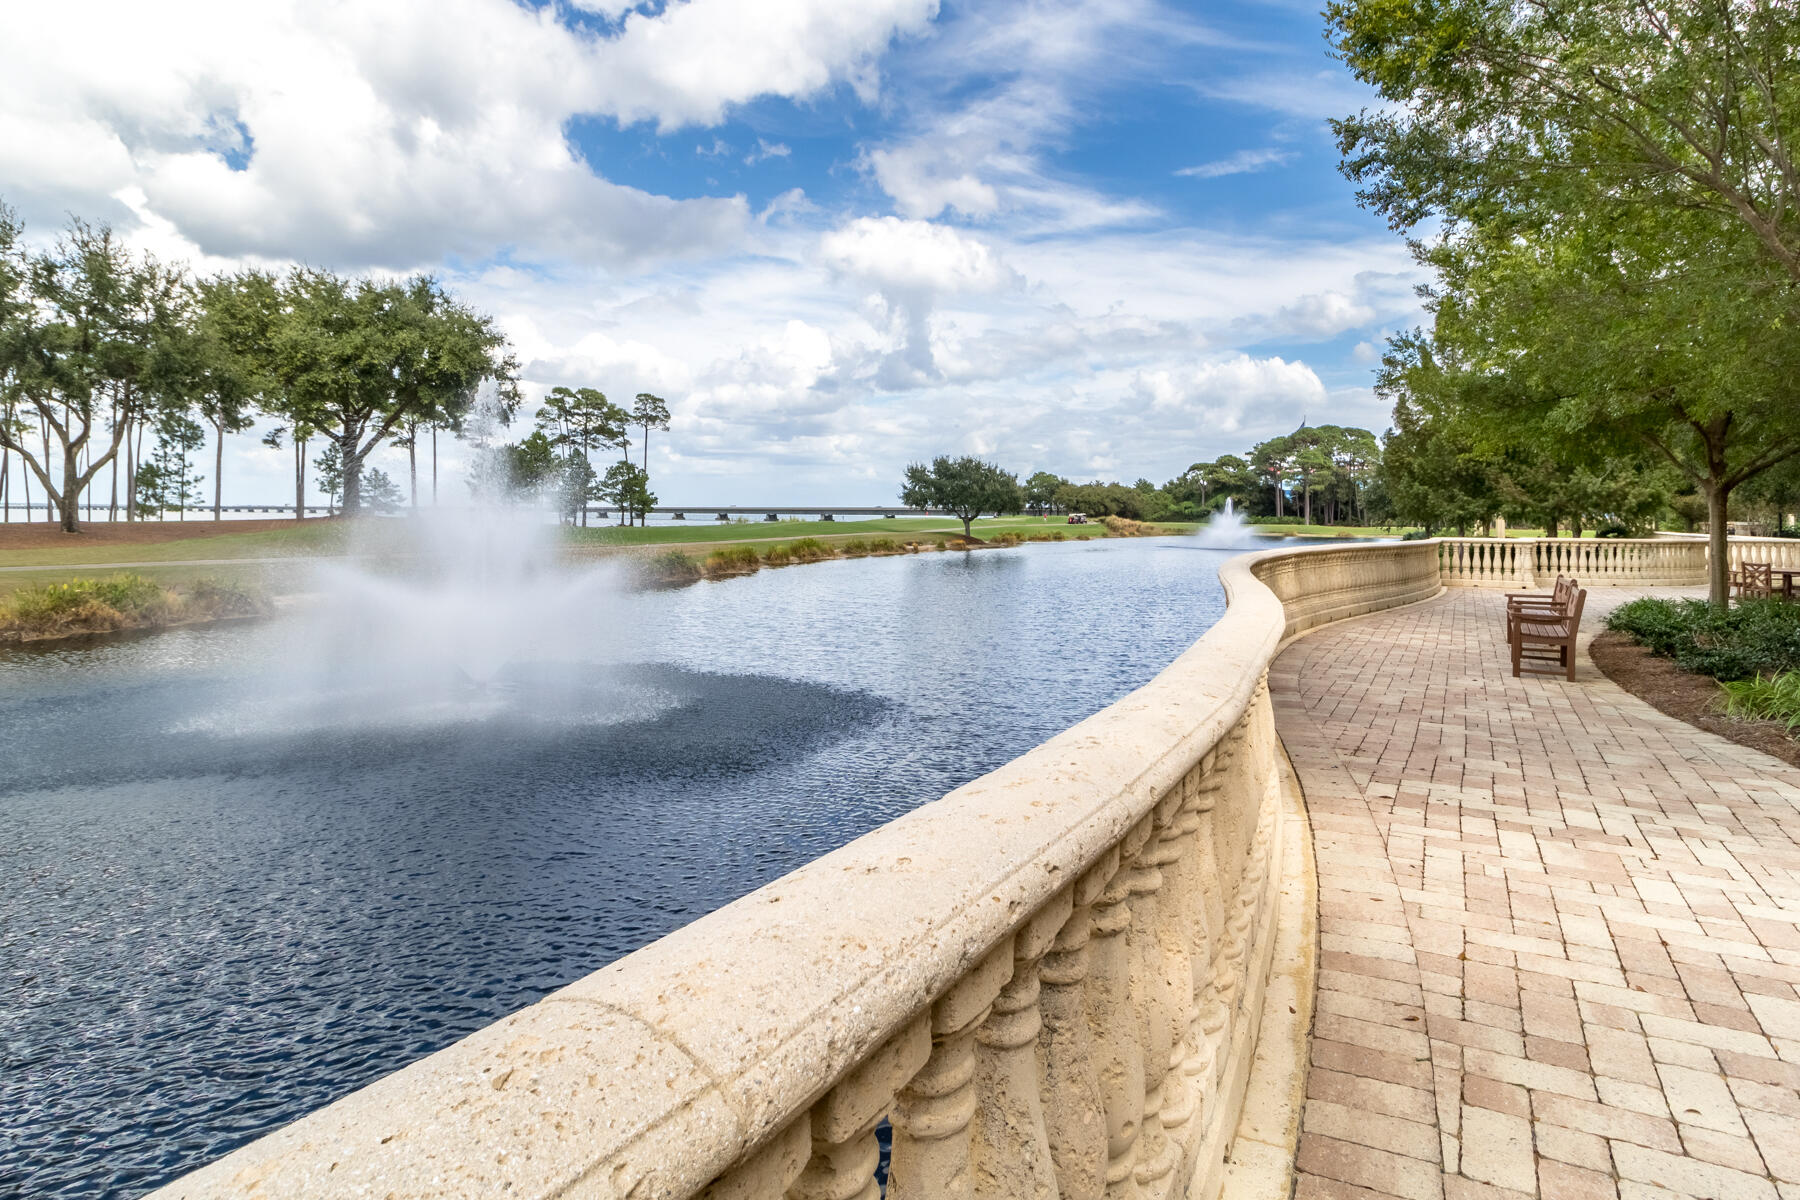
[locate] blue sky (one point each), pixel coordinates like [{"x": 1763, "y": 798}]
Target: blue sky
[{"x": 1101, "y": 237}]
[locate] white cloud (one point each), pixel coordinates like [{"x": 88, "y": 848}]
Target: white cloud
[
  {"x": 400, "y": 132},
  {"x": 913, "y": 258},
  {"x": 688, "y": 63},
  {"x": 1241, "y": 163},
  {"x": 766, "y": 149}
]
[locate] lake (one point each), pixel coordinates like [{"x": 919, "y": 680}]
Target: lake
[{"x": 227, "y": 904}]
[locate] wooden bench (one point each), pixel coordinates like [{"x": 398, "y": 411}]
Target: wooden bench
[
  {"x": 1550, "y": 603},
  {"x": 1543, "y": 640}
]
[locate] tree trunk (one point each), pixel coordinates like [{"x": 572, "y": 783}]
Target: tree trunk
[
  {"x": 299, "y": 479},
  {"x": 71, "y": 492},
  {"x": 1278, "y": 499},
  {"x": 1306, "y": 501},
  {"x": 434, "y": 466},
  {"x": 219, "y": 473},
  {"x": 351, "y": 465},
  {"x": 1718, "y": 545},
  {"x": 412, "y": 465}
]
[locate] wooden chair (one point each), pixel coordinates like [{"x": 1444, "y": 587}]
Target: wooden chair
[
  {"x": 1547, "y": 641},
  {"x": 1754, "y": 581},
  {"x": 1519, "y": 605}
]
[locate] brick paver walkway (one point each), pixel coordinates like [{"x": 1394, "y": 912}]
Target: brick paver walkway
[{"x": 1559, "y": 931}]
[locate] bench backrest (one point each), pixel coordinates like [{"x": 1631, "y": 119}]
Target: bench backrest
[{"x": 1758, "y": 574}]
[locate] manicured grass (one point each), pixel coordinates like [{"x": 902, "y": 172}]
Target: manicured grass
[
  {"x": 1332, "y": 531},
  {"x": 303, "y": 538}
]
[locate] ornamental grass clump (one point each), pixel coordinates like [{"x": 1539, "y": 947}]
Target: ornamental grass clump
[
  {"x": 671, "y": 568},
  {"x": 810, "y": 550},
  {"x": 1752, "y": 638},
  {"x": 119, "y": 602},
  {"x": 731, "y": 560},
  {"x": 1765, "y": 698},
  {"x": 777, "y": 556}
]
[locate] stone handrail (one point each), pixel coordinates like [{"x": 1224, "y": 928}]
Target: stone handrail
[
  {"x": 1780, "y": 553},
  {"x": 1048, "y": 983},
  {"x": 1536, "y": 562}
]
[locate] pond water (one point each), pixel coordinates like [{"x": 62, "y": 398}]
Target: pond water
[{"x": 222, "y": 910}]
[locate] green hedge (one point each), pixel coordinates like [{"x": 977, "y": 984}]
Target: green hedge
[{"x": 1759, "y": 637}]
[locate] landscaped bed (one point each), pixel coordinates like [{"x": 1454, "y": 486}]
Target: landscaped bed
[{"x": 1734, "y": 673}]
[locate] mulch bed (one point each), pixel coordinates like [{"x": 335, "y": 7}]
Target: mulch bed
[
  {"x": 43, "y": 535},
  {"x": 1684, "y": 695}
]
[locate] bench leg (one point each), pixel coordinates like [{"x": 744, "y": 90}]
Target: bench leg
[
  {"x": 1517, "y": 645},
  {"x": 1569, "y": 659}
]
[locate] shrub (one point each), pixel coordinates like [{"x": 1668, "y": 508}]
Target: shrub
[
  {"x": 1414, "y": 535},
  {"x": 1005, "y": 539},
  {"x": 1612, "y": 530},
  {"x": 1126, "y": 527},
  {"x": 1765, "y": 698},
  {"x": 885, "y": 545},
  {"x": 809, "y": 549},
  {"x": 731, "y": 560},
  {"x": 854, "y": 548},
  {"x": 671, "y": 568},
  {"x": 214, "y": 598},
  {"x": 1752, "y": 638},
  {"x": 124, "y": 601}
]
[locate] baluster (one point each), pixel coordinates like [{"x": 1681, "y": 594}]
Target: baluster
[
  {"x": 931, "y": 1117},
  {"x": 770, "y": 1170},
  {"x": 1010, "y": 1145},
  {"x": 1118, "y": 1055},
  {"x": 1153, "y": 1002},
  {"x": 1182, "y": 934},
  {"x": 1074, "y": 1106},
  {"x": 844, "y": 1149}
]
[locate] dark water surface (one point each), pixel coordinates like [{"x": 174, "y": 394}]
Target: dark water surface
[{"x": 220, "y": 910}]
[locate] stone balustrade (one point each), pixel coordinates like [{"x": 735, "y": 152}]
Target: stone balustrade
[
  {"x": 1780, "y": 553},
  {"x": 1536, "y": 562},
  {"x": 1048, "y": 984}
]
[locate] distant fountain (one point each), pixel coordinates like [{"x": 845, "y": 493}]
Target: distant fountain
[{"x": 1228, "y": 531}]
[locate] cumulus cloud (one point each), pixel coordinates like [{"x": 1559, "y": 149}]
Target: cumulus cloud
[{"x": 397, "y": 133}]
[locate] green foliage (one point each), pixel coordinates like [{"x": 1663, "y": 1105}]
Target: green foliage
[
  {"x": 732, "y": 560},
  {"x": 1751, "y": 638},
  {"x": 671, "y": 568},
  {"x": 1606, "y": 191},
  {"x": 380, "y": 493},
  {"x": 94, "y": 340},
  {"x": 123, "y": 601},
  {"x": 627, "y": 485},
  {"x": 1765, "y": 698},
  {"x": 808, "y": 549},
  {"x": 964, "y": 487}
]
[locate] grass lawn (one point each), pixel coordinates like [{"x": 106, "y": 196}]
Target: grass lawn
[
  {"x": 305, "y": 538},
  {"x": 270, "y": 578}
]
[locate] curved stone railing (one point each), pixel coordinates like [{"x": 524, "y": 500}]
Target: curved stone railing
[
  {"x": 1535, "y": 562},
  {"x": 1780, "y": 553},
  {"x": 1048, "y": 983}
]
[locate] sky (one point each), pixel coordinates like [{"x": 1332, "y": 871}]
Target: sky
[{"x": 1104, "y": 238}]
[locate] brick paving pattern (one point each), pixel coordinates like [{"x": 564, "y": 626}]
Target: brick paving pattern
[{"x": 1559, "y": 931}]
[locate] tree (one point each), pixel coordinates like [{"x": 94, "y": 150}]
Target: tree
[
  {"x": 649, "y": 412},
  {"x": 964, "y": 487},
  {"x": 359, "y": 361},
  {"x": 380, "y": 493},
  {"x": 328, "y": 469},
  {"x": 1040, "y": 491},
  {"x": 531, "y": 465},
  {"x": 577, "y": 485},
  {"x": 223, "y": 382},
  {"x": 581, "y": 421},
  {"x": 170, "y": 477},
  {"x": 627, "y": 485},
  {"x": 89, "y": 337},
  {"x": 1595, "y": 175}
]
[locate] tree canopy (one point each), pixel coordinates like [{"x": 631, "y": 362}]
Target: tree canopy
[{"x": 965, "y": 487}]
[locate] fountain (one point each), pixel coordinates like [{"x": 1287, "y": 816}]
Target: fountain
[{"x": 1228, "y": 531}]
